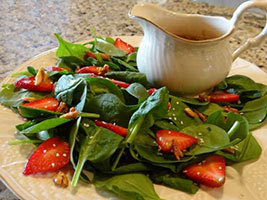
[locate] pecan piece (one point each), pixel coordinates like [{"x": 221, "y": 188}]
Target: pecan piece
[
  {"x": 41, "y": 77},
  {"x": 73, "y": 113},
  {"x": 190, "y": 112},
  {"x": 62, "y": 108},
  {"x": 230, "y": 109},
  {"x": 29, "y": 99},
  {"x": 61, "y": 179}
]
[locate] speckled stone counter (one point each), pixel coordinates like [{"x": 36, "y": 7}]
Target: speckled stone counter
[{"x": 27, "y": 28}]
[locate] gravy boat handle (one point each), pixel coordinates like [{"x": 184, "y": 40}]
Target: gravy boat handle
[{"x": 257, "y": 40}]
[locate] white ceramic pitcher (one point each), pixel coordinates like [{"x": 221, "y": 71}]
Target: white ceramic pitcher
[{"x": 188, "y": 53}]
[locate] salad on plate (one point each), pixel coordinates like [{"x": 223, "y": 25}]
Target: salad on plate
[{"x": 94, "y": 111}]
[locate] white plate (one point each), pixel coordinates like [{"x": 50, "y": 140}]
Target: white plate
[{"x": 245, "y": 181}]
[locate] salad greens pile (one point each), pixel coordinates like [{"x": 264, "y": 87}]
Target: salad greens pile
[{"x": 129, "y": 166}]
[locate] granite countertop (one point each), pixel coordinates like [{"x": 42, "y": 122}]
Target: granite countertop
[{"x": 27, "y": 28}]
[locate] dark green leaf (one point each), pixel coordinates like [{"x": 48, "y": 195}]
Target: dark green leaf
[
  {"x": 138, "y": 91},
  {"x": 108, "y": 48}
]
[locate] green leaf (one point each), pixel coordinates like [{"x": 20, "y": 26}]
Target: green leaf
[
  {"x": 138, "y": 91},
  {"x": 125, "y": 64},
  {"x": 256, "y": 104},
  {"x": 72, "y": 139},
  {"x": 34, "y": 113},
  {"x": 173, "y": 181},
  {"x": 210, "y": 138},
  {"x": 44, "y": 125},
  {"x": 131, "y": 57},
  {"x": 192, "y": 101},
  {"x": 71, "y": 53},
  {"x": 31, "y": 70},
  {"x": 128, "y": 186},
  {"x": 108, "y": 48},
  {"x": 246, "y": 150},
  {"x": 101, "y": 86}
]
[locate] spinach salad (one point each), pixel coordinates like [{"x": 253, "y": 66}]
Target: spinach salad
[{"x": 112, "y": 123}]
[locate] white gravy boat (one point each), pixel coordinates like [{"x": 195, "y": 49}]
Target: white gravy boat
[{"x": 188, "y": 53}]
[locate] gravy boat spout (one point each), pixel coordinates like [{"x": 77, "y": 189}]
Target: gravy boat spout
[{"x": 188, "y": 53}]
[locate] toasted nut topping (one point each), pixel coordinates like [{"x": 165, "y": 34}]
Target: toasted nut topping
[
  {"x": 229, "y": 150},
  {"x": 230, "y": 109},
  {"x": 73, "y": 113},
  {"x": 41, "y": 77},
  {"x": 103, "y": 70},
  {"x": 200, "y": 115},
  {"x": 29, "y": 99},
  {"x": 104, "y": 56},
  {"x": 177, "y": 152},
  {"x": 62, "y": 108},
  {"x": 61, "y": 179},
  {"x": 204, "y": 97},
  {"x": 190, "y": 112}
]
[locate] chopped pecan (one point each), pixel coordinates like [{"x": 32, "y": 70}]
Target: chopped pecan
[
  {"x": 29, "y": 99},
  {"x": 103, "y": 70},
  {"x": 62, "y": 108},
  {"x": 229, "y": 150},
  {"x": 200, "y": 115},
  {"x": 41, "y": 77},
  {"x": 61, "y": 179},
  {"x": 73, "y": 113},
  {"x": 230, "y": 109},
  {"x": 190, "y": 112},
  {"x": 204, "y": 97}
]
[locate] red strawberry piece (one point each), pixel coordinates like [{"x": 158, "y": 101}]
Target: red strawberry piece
[
  {"x": 210, "y": 172},
  {"x": 56, "y": 69},
  {"x": 223, "y": 97},
  {"x": 119, "y": 83},
  {"x": 151, "y": 91},
  {"x": 120, "y": 44},
  {"x": 50, "y": 156},
  {"x": 29, "y": 84},
  {"x": 174, "y": 141},
  {"x": 88, "y": 69},
  {"x": 47, "y": 103},
  {"x": 115, "y": 128}
]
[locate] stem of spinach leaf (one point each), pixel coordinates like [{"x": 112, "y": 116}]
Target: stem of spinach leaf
[
  {"x": 77, "y": 173},
  {"x": 128, "y": 140},
  {"x": 89, "y": 115},
  {"x": 233, "y": 129},
  {"x": 24, "y": 142}
]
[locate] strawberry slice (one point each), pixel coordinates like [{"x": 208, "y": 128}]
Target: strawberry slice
[
  {"x": 115, "y": 128},
  {"x": 223, "y": 97},
  {"x": 93, "y": 55},
  {"x": 151, "y": 91},
  {"x": 120, "y": 44},
  {"x": 88, "y": 69},
  {"x": 56, "y": 69},
  {"x": 47, "y": 103},
  {"x": 210, "y": 172},
  {"x": 50, "y": 156},
  {"x": 29, "y": 84},
  {"x": 174, "y": 141}
]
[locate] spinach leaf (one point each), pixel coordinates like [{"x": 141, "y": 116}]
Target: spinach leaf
[
  {"x": 210, "y": 108},
  {"x": 218, "y": 119},
  {"x": 138, "y": 91},
  {"x": 129, "y": 77},
  {"x": 100, "y": 86},
  {"x": 110, "y": 108},
  {"x": 131, "y": 57},
  {"x": 12, "y": 97},
  {"x": 177, "y": 115},
  {"x": 126, "y": 65},
  {"x": 108, "y": 48},
  {"x": 132, "y": 168},
  {"x": 255, "y": 104},
  {"x": 247, "y": 149},
  {"x": 256, "y": 116},
  {"x": 176, "y": 182},
  {"x": 21, "y": 127},
  {"x": 71, "y": 53},
  {"x": 92, "y": 148},
  {"x": 72, "y": 139},
  {"x": 210, "y": 138},
  {"x": 192, "y": 101},
  {"x": 128, "y": 186},
  {"x": 72, "y": 91},
  {"x": 44, "y": 125},
  {"x": 34, "y": 113}
]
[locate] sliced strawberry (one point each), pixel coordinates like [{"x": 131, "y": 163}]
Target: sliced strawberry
[
  {"x": 47, "y": 103},
  {"x": 115, "y": 128},
  {"x": 56, "y": 69},
  {"x": 151, "y": 91},
  {"x": 174, "y": 141},
  {"x": 93, "y": 55},
  {"x": 119, "y": 83},
  {"x": 223, "y": 97},
  {"x": 29, "y": 84},
  {"x": 88, "y": 69},
  {"x": 50, "y": 156},
  {"x": 120, "y": 44},
  {"x": 209, "y": 172}
]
